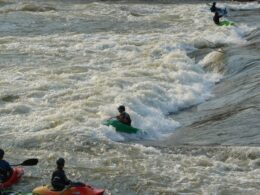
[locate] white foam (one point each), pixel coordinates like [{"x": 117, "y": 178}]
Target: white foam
[
  {"x": 244, "y": 6},
  {"x": 73, "y": 81}
]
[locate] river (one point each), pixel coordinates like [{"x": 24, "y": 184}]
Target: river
[{"x": 191, "y": 86}]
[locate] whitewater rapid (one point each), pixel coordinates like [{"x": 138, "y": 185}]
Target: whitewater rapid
[
  {"x": 71, "y": 65},
  {"x": 66, "y": 66}
]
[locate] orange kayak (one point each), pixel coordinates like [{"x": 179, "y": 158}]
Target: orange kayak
[{"x": 83, "y": 189}]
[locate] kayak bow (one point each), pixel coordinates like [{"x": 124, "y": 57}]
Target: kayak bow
[{"x": 17, "y": 173}]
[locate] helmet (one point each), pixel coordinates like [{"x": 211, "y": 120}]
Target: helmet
[
  {"x": 2, "y": 153},
  {"x": 121, "y": 108},
  {"x": 60, "y": 162}
]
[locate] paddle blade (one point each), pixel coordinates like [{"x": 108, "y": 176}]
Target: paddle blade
[{"x": 30, "y": 162}]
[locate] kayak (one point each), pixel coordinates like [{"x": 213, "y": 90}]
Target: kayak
[
  {"x": 120, "y": 127},
  {"x": 226, "y": 23},
  {"x": 80, "y": 189},
  {"x": 17, "y": 173}
]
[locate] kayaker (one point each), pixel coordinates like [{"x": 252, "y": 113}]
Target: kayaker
[
  {"x": 213, "y": 7},
  {"x": 216, "y": 18},
  {"x": 123, "y": 117},
  {"x": 59, "y": 179},
  {"x": 5, "y": 168},
  {"x": 220, "y": 11}
]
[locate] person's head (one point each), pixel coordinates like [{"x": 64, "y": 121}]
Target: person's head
[
  {"x": 121, "y": 108},
  {"x": 214, "y": 3},
  {"x": 60, "y": 163},
  {"x": 2, "y": 153}
]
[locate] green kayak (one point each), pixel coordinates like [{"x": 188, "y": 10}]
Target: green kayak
[
  {"x": 120, "y": 127},
  {"x": 226, "y": 23}
]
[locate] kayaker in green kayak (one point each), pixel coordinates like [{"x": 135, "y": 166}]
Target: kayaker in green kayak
[
  {"x": 123, "y": 117},
  {"x": 59, "y": 179},
  {"x": 223, "y": 22},
  {"x": 5, "y": 168}
]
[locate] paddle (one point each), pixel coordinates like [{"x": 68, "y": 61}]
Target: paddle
[{"x": 28, "y": 162}]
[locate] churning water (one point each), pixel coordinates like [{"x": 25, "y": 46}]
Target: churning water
[{"x": 66, "y": 66}]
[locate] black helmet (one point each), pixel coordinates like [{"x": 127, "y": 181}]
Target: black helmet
[
  {"x": 121, "y": 108},
  {"x": 214, "y": 3},
  {"x": 2, "y": 153},
  {"x": 60, "y": 162}
]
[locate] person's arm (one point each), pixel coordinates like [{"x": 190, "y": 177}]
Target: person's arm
[
  {"x": 67, "y": 181},
  {"x": 52, "y": 176},
  {"x": 119, "y": 117},
  {"x": 9, "y": 168},
  {"x": 125, "y": 120}
]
